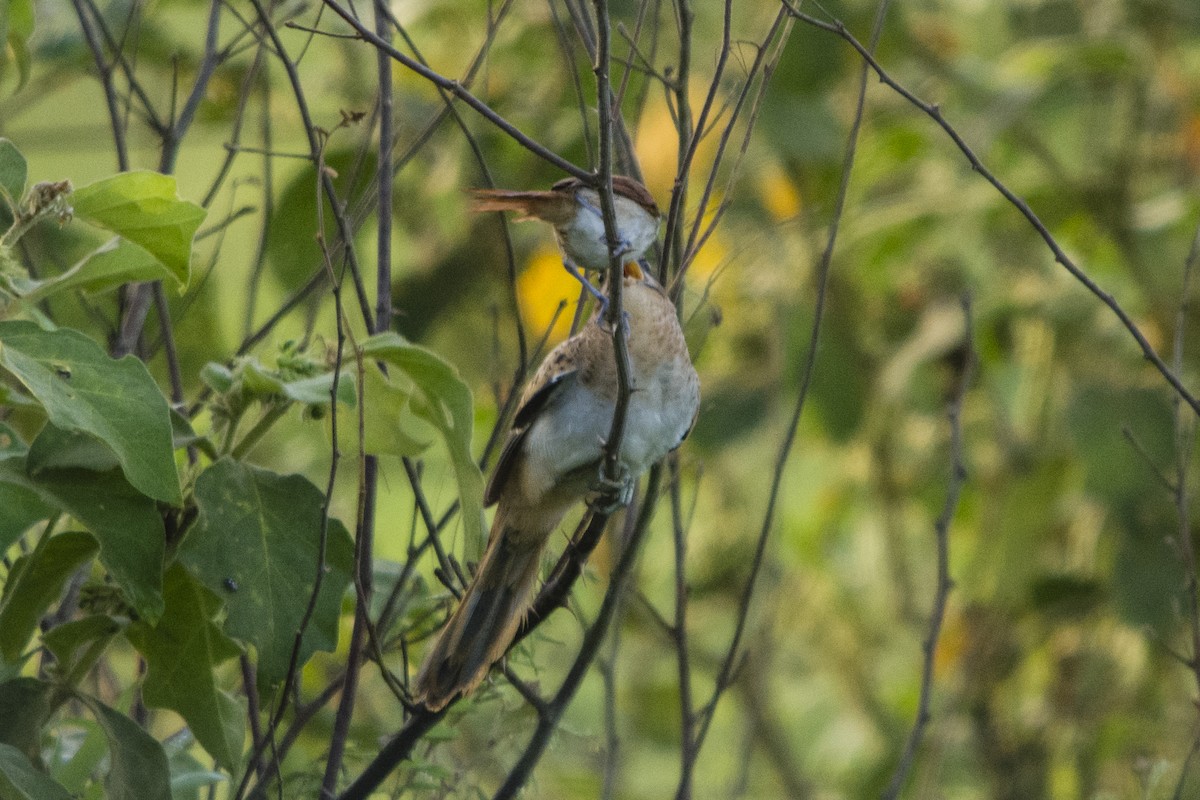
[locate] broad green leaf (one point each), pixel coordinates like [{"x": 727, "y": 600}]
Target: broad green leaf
[
  {"x": 55, "y": 448},
  {"x": 110, "y": 266},
  {"x": 138, "y": 768},
  {"x": 125, "y": 522},
  {"x": 24, "y": 708},
  {"x": 19, "y": 508},
  {"x": 20, "y": 780},
  {"x": 144, "y": 208},
  {"x": 443, "y": 400},
  {"x": 82, "y": 389},
  {"x": 13, "y": 174},
  {"x": 78, "y": 644},
  {"x": 79, "y": 749},
  {"x": 257, "y": 545},
  {"x": 36, "y": 581},
  {"x": 390, "y": 427},
  {"x": 182, "y": 651}
]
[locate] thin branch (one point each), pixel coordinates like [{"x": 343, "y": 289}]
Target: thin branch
[
  {"x": 365, "y": 540},
  {"x": 958, "y": 477},
  {"x": 934, "y": 112},
  {"x": 615, "y": 316},
  {"x": 732, "y": 655},
  {"x": 106, "y": 82},
  {"x": 1185, "y": 433},
  {"x": 687, "y": 711},
  {"x": 345, "y": 233},
  {"x": 455, "y": 88}
]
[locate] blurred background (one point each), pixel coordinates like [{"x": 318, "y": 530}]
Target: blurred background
[{"x": 1061, "y": 670}]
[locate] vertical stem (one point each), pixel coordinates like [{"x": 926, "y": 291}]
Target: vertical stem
[
  {"x": 364, "y": 544},
  {"x": 673, "y": 239},
  {"x": 92, "y": 37},
  {"x": 616, "y": 274},
  {"x": 687, "y": 715}
]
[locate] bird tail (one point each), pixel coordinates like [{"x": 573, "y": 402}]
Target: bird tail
[
  {"x": 553, "y": 207},
  {"x": 482, "y": 627}
]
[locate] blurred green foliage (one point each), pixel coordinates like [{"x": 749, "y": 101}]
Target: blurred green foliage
[{"x": 1054, "y": 676}]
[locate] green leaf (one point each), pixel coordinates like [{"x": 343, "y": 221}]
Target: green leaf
[
  {"x": 19, "y": 508},
  {"x": 10, "y": 442},
  {"x": 182, "y": 435},
  {"x": 125, "y": 522},
  {"x": 138, "y": 768},
  {"x": 390, "y": 426},
  {"x": 36, "y": 581},
  {"x": 257, "y": 544},
  {"x": 82, "y": 389},
  {"x": 13, "y": 174},
  {"x": 443, "y": 400},
  {"x": 189, "y": 776},
  {"x": 182, "y": 651},
  {"x": 108, "y": 267},
  {"x": 261, "y": 383},
  {"x": 78, "y": 644},
  {"x": 24, "y": 709},
  {"x": 20, "y": 780},
  {"x": 55, "y": 448},
  {"x": 79, "y": 749},
  {"x": 16, "y": 26},
  {"x": 217, "y": 377},
  {"x": 144, "y": 208}
]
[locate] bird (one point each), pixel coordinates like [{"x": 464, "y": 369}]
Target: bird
[
  {"x": 552, "y": 460},
  {"x": 573, "y": 208}
]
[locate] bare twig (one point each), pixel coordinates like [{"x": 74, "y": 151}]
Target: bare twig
[
  {"x": 115, "y": 120},
  {"x": 934, "y": 112},
  {"x": 365, "y": 540},
  {"x": 937, "y": 615},
  {"x": 732, "y": 656},
  {"x": 456, "y": 89},
  {"x": 1185, "y": 434},
  {"x": 687, "y": 711}
]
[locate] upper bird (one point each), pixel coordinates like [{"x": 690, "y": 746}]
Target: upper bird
[
  {"x": 552, "y": 460},
  {"x": 573, "y": 208}
]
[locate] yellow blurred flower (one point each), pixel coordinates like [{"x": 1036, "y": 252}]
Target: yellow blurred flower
[{"x": 541, "y": 287}]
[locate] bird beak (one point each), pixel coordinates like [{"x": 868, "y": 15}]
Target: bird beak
[{"x": 634, "y": 270}]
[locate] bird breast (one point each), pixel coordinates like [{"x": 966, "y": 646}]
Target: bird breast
[
  {"x": 571, "y": 432},
  {"x": 583, "y": 237}
]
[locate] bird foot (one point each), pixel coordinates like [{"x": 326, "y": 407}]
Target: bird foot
[
  {"x": 612, "y": 493},
  {"x": 602, "y": 321}
]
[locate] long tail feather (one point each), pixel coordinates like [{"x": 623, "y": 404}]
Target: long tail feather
[
  {"x": 481, "y": 629},
  {"x": 553, "y": 207}
]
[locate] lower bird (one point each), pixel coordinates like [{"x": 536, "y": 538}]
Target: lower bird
[{"x": 552, "y": 460}]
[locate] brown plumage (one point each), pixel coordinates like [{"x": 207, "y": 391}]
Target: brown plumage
[{"x": 550, "y": 462}]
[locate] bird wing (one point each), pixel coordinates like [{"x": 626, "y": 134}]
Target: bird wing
[{"x": 535, "y": 403}]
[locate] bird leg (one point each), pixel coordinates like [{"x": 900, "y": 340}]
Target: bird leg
[{"x": 574, "y": 272}]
